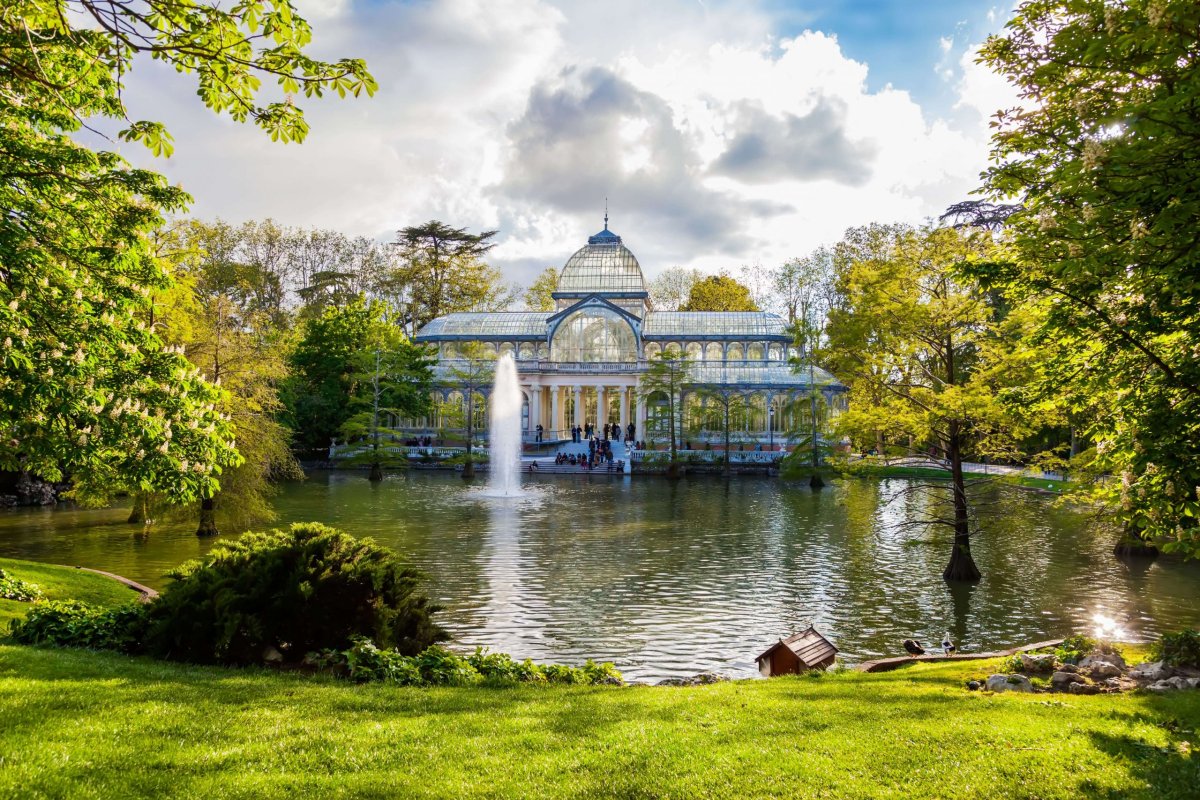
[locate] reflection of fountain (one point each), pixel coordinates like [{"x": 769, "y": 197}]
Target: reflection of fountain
[{"x": 505, "y": 433}]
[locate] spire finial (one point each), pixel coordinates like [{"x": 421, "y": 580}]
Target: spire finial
[{"x": 606, "y": 213}]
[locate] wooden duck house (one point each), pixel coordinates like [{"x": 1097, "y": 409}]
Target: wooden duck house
[{"x": 799, "y": 652}]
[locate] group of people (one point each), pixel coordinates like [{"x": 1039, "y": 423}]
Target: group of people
[
  {"x": 599, "y": 453},
  {"x": 611, "y": 432}
]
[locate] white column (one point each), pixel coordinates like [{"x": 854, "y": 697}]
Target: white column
[
  {"x": 624, "y": 409},
  {"x": 555, "y": 423},
  {"x": 578, "y": 405},
  {"x": 601, "y": 417},
  {"x": 640, "y": 433},
  {"x": 535, "y": 408}
]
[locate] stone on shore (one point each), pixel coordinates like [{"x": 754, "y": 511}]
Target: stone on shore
[{"x": 1009, "y": 683}]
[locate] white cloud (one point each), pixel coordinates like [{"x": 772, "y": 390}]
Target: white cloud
[{"x": 716, "y": 142}]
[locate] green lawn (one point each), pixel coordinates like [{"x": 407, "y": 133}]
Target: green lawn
[
  {"x": 83, "y": 724},
  {"x": 80, "y": 724},
  {"x": 61, "y": 583}
]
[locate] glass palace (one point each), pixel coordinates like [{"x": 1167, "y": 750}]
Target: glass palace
[{"x": 582, "y": 362}]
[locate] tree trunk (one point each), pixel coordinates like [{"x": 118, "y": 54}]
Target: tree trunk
[
  {"x": 1131, "y": 545},
  {"x": 208, "y": 518},
  {"x": 727, "y": 469},
  {"x": 137, "y": 514},
  {"x": 673, "y": 467},
  {"x": 961, "y": 568},
  {"x": 376, "y": 474}
]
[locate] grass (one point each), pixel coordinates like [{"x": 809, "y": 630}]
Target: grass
[
  {"x": 61, "y": 583},
  {"x": 932, "y": 473},
  {"x": 97, "y": 725},
  {"x": 83, "y": 724}
]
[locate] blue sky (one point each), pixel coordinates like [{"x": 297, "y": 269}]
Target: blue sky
[{"x": 899, "y": 39}]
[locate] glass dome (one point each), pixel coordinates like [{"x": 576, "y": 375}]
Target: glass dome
[
  {"x": 603, "y": 265},
  {"x": 594, "y": 335}
]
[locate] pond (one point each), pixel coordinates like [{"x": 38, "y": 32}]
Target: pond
[{"x": 674, "y": 578}]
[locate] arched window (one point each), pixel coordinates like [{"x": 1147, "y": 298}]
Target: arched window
[
  {"x": 594, "y": 335},
  {"x": 754, "y": 352},
  {"x": 526, "y": 351},
  {"x": 449, "y": 350},
  {"x": 775, "y": 353},
  {"x": 735, "y": 352},
  {"x": 714, "y": 352},
  {"x": 652, "y": 349},
  {"x": 673, "y": 347},
  {"x": 489, "y": 348},
  {"x": 507, "y": 349},
  {"x": 695, "y": 351},
  {"x": 543, "y": 352}
]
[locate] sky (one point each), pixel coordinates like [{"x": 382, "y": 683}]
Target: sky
[{"x": 721, "y": 134}]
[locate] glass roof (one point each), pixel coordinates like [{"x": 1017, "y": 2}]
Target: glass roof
[
  {"x": 508, "y": 324},
  {"x": 603, "y": 265},
  {"x": 763, "y": 374},
  {"x": 713, "y": 324}
]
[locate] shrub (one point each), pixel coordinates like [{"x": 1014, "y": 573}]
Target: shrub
[
  {"x": 365, "y": 662},
  {"x": 74, "y": 624},
  {"x": 442, "y": 667},
  {"x": 305, "y": 589},
  {"x": 1178, "y": 649},
  {"x": 502, "y": 668},
  {"x": 437, "y": 666},
  {"x": 1074, "y": 648},
  {"x": 13, "y": 588}
]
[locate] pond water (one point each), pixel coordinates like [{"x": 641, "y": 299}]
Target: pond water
[{"x": 673, "y": 578}]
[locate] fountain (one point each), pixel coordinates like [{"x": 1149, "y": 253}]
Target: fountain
[{"x": 504, "y": 435}]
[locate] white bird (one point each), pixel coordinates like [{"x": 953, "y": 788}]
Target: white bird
[{"x": 947, "y": 645}]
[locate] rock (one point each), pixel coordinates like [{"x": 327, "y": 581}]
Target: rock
[
  {"x": 1068, "y": 668},
  {"x": 1171, "y": 684},
  {"x": 974, "y": 685},
  {"x": 1061, "y": 680},
  {"x": 1042, "y": 662},
  {"x": 1151, "y": 672},
  {"x": 271, "y": 655},
  {"x": 673, "y": 682},
  {"x": 611, "y": 680},
  {"x": 1103, "y": 669},
  {"x": 1102, "y": 658},
  {"x": 35, "y": 492},
  {"x": 1083, "y": 688},
  {"x": 1009, "y": 683},
  {"x": 705, "y": 678}
]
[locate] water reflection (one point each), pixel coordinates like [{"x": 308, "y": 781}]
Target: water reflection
[{"x": 670, "y": 578}]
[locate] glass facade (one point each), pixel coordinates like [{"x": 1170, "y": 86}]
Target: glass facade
[
  {"x": 594, "y": 335},
  {"x": 603, "y": 266},
  {"x": 592, "y": 351}
]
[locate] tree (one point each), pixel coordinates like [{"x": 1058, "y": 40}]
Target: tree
[
  {"x": 87, "y": 390},
  {"x": 442, "y": 271},
  {"x": 226, "y": 329},
  {"x": 1102, "y": 163},
  {"x": 910, "y": 314},
  {"x": 538, "y": 297},
  {"x": 670, "y": 290},
  {"x": 806, "y": 289},
  {"x": 666, "y": 374},
  {"x": 318, "y": 392},
  {"x": 472, "y": 373},
  {"x": 719, "y": 293},
  {"x": 393, "y": 376},
  {"x": 722, "y": 405}
]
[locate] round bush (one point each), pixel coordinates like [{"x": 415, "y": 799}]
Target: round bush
[{"x": 278, "y": 595}]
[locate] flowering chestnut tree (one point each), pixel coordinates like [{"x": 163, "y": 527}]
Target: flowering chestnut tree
[{"x": 87, "y": 389}]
